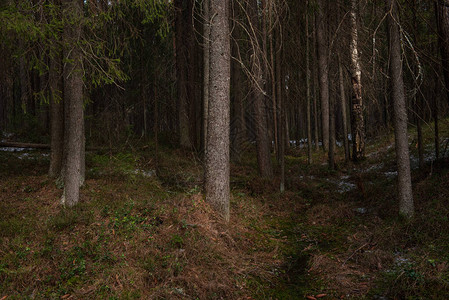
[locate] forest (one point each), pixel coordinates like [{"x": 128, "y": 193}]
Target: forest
[{"x": 224, "y": 149}]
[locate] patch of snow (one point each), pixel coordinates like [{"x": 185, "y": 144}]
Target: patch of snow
[
  {"x": 399, "y": 260},
  {"x": 391, "y": 174},
  {"x": 12, "y": 149},
  {"x": 144, "y": 173},
  {"x": 361, "y": 210},
  {"x": 7, "y": 134},
  {"x": 344, "y": 187},
  {"x": 373, "y": 168}
]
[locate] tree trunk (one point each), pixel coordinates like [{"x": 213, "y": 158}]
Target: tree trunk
[
  {"x": 406, "y": 207},
  {"x": 238, "y": 85},
  {"x": 323, "y": 71},
  {"x": 25, "y": 88},
  {"x": 73, "y": 95},
  {"x": 272, "y": 70},
  {"x": 309, "y": 123},
  {"x": 217, "y": 155},
  {"x": 181, "y": 33},
  {"x": 156, "y": 128},
  {"x": 260, "y": 118},
  {"x": 278, "y": 91},
  {"x": 331, "y": 153},
  {"x": 357, "y": 122},
  {"x": 343, "y": 111},
  {"x": 436, "y": 128},
  {"x": 206, "y": 45},
  {"x": 442, "y": 16},
  {"x": 56, "y": 117}
]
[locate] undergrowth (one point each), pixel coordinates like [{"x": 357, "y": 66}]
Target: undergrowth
[{"x": 143, "y": 231}]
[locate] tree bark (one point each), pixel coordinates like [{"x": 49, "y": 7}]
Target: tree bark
[
  {"x": 217, "y": 155},
  {"x": 206, "y": 50},
  {"x": 331, "y": 152},
  {"x": 343, "y": 111},
  {"x": 56, "y": 117},
  {"x": 406, "y": 207},
  {"x": 238, "y": 124},
  {"x": 260, "y": 118},
  {"x": 323, "y": 71},
  {"x": 309, "y": 122},
  {"x": 73, "y": 95},
  {"x": 357, "y": 121},
  {"x": 181, "y": 33},
  {"x": 442, "y": 16}
]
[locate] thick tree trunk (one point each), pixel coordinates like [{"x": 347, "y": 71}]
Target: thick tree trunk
[
  {"x": 357, "y": 122},
  {"x": 406, "y": 207},
  {"x": 217, "y": 155},
  {"x": 323, "y": 70},
  {"x": 56, "y": 117},
  {"x": 73, "y": 95},
  {"x": 343, "y": 111}
]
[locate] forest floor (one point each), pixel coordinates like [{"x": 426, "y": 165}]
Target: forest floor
[{"x": 143, "y": 231}]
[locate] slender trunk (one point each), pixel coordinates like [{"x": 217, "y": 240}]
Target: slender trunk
[
  {"x": 238, "y": 121},
  {"x": 260, "y": 118},
  {"x": 25, "y": 88},
  {"x": 206, "y": 45},
  {"x": 442, "y": 16},
  {"x": 279, "y": 95},
  {"x": 406, "y": 207},
  {"x": 331, "y": 153},
  {"x": 282, "y": 145},
  {"x": 417, "y": 99},
  {"x": 73, "y": 92},
  {"x": 156, "y": 129},
  {"x": 420, "y": 140},
  {"x": 181, "y": 29},
  {"x": 309, "y": 124},
  {"x": 217, "y": 155},
  {"x": 323, "y": 71},
  {"x": 56, "y": 117},
  {"x": 357, "y": 121},
  {"x": 343, "y": 111},
  {"x": 435, "y": 123},
  {"x": 315, "y": 93},
  {"x": 273, "y": 82}
]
